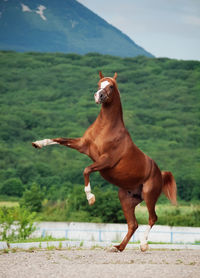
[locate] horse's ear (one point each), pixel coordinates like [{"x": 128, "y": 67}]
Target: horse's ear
[
  {"x": 101, "y": 75},
  {"x": 115, "y": 76}
]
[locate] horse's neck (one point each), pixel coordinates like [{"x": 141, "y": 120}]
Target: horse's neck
[{"x": 111, "y": 114}]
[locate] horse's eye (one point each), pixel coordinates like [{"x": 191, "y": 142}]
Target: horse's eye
[{"x": 111, "y": 86}]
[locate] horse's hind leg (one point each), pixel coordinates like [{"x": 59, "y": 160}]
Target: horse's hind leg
[
  {"x": 150, "y": 194},
  {"x": 128, "y": 203}
]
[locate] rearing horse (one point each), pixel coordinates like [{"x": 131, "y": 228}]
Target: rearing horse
[{"x": 119, "y": 161}]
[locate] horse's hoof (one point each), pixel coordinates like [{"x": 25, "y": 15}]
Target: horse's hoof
[
  {"x": 144, "y": 247},
  {"x": 92, "y": 200},
  {"x": 35, "y": 145},
  {"x": 113, "y": 249}
]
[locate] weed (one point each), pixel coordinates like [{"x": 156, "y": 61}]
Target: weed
[
  {"x": 31, "y": 249},
  {"x": 178, "y": 261},
  {"x": 60, "y": 245},
  {"x": 50, "y": 248},
  {"x": 93, "y": 247},
  {"x": 192, "y": 263}
]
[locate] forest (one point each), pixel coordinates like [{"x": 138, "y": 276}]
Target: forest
[{"x": 44, "y": 95}]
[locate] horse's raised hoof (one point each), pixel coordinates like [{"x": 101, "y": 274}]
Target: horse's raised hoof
[
  {"x": 144, "y": 247},
  {"x": 35, "y": 145},
  {"x": 113, "y": 249},
  {"x": 92, "y": 200}
]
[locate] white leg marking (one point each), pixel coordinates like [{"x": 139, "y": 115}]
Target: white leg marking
[
  {"x": 45, "y": 142},
  {"x": 90, "y": 197},
  {"x": 144, "y": 238}
]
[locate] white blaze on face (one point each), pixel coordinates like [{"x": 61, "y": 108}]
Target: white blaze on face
[{"x": 102, "y": 86}]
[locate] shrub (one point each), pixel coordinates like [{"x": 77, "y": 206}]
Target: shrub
[
  {"x": 32, "y": 199},
  {"x": 16, "y": 223},
  {"x": 12, "y": 187}
]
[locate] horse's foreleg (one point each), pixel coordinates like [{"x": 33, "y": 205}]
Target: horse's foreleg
[
  {"x": 102, "y": 163},
  {"x": 42, "y": 143},
  {"x": 76, "y": 143},
  {"x": 128, "y": 203}
]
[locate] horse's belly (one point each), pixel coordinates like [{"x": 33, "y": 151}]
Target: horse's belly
[{"x": 125, "y": 175}]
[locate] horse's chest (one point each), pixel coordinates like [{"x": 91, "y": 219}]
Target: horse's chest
[{"x": 97, "y": 147}]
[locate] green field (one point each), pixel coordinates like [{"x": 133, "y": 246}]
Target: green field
[{"x": 8, "y": 204}]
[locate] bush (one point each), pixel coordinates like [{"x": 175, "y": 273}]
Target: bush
[
  {"x": 16, "y": 223},
  {"x": 32, "y": 199},
  {"x": 12, "y": 187}
]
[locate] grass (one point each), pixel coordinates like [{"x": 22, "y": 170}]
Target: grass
[
  {"x": 181, "y": 215},
  {"x": 184, "y": 214},
  {"x": 9, "y": 204},
  {"x": 38, "y": 239}
]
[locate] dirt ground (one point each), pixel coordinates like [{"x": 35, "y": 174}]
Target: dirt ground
[{"x": 100, "y": 263}]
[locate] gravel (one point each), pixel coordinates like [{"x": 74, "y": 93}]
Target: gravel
[{"x": 75, "y": 263}]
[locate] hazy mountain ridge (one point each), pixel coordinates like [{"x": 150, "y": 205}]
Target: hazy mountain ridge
[{"x": 64, "y": 26}]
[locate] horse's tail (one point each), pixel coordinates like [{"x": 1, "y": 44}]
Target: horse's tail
[{"x": 169, "y": 186}]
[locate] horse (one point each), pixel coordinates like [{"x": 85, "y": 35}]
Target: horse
[{"x": 120, "y": 162}]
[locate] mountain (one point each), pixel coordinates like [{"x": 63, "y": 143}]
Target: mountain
[{"x": 60, "y": 26}]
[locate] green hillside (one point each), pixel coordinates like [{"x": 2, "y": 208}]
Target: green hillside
[{"x": 51, "y": 95}]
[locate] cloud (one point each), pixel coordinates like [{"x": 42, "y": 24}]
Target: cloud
[{"x": 192, "y": 20}]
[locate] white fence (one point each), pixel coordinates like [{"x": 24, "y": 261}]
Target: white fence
[{"x": 115, "y": 232}]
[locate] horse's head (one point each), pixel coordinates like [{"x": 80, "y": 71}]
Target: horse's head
[{"x": 106, "y": 89}]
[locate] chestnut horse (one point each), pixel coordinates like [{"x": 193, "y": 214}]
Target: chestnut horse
[{"x": 119, "y": 161}]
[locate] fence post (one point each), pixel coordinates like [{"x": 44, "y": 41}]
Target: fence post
[
  {"x": 100, "y": 235},
  {"x": 66, "y": 234},
  {"x": 43, "y": 233},
  {"x": 171, "y": 240}
]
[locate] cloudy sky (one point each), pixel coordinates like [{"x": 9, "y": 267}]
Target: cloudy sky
[{"x": 165, "y": 28}]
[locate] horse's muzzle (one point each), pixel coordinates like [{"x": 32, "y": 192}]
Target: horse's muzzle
[{"x": 100, "y": 97}]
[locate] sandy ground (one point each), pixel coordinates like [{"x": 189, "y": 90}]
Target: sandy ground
[{"x": 100, "y": 263}]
